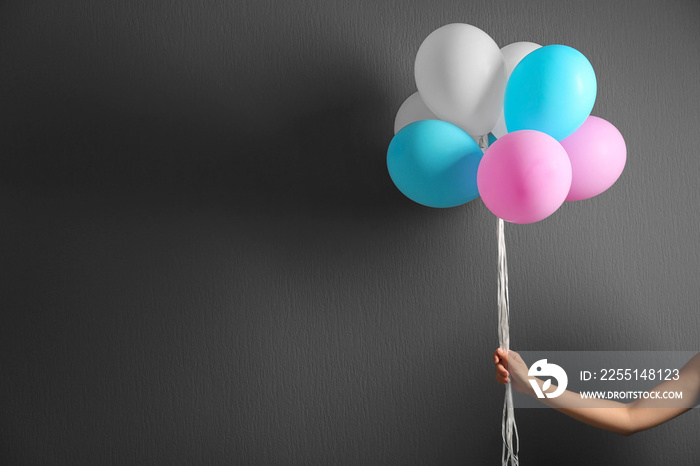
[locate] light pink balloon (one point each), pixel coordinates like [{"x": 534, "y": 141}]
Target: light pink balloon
[
  {"x": 524, "y": 176},
  {"x": 598, "y": 154}
]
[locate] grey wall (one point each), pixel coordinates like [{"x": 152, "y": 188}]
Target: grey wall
[{"x": 203, "y": 260}]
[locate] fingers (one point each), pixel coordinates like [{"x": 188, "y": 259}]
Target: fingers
[
  {"x": 502, "y": 375},
  {"x": 500, "y": 358}
]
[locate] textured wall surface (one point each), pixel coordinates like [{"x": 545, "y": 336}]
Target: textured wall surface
[{"x": 203, "y": 260}]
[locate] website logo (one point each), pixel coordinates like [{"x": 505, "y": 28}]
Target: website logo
[{"x": 542, "y": 368}]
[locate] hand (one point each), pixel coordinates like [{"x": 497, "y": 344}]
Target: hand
[{"x": 510, "y": 368}]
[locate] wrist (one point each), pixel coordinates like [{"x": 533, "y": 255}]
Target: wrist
[{"x": 526, "y": 388}]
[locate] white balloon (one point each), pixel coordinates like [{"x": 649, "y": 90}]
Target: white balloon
[
  {"x": 512, "y": 54},
  {"x": 413, "y": 109},
  {"x": 461, "y": 77}
]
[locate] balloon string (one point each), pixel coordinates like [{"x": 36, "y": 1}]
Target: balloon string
[
  {"x": 483, "y": 142},
  {"x": 509, "y": 430}
]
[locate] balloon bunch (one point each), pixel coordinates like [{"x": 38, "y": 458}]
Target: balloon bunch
[{"x": 533, "y": 103}]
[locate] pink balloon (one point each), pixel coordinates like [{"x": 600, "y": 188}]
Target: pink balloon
[
  {"x": 524, "y": 176},
  {"x": 598, "y": 154}
]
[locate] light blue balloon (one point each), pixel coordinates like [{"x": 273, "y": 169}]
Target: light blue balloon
[
  {"x": 551, "y": 90},
  {"x": 434, "y": 163}
]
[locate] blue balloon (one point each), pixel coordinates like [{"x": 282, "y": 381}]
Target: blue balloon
[
  {"x": 492, "y": 138},
  {"x": 551, "y": 90},
  {"x": 434, "y": 163}
]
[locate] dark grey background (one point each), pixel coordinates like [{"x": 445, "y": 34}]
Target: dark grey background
[{"x": 203, "y": 260}]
